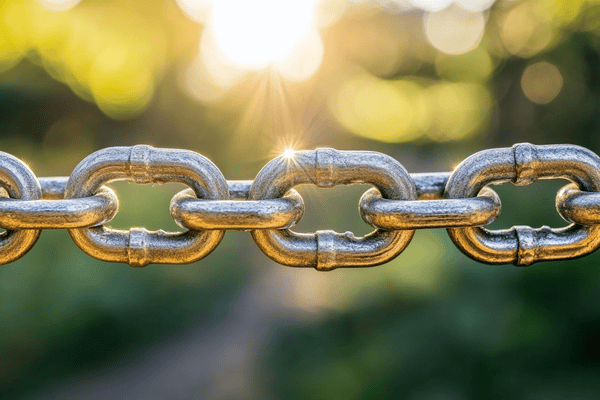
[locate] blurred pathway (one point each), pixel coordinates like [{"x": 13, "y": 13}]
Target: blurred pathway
[{"x": 218, "y": 363}]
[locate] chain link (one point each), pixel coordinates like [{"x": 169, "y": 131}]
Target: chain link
[
  {"x": 18, "y": 182},
  {"x": 326, "y": 250},
  {"x": 397, "y": 205},
  {"x": 144, "y": 164},
  {"x": 190, "y": 212},
  {"x": 521, "y": 165}
]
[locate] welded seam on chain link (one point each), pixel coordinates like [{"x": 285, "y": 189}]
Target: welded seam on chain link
[{"x": 521, "y": 245}]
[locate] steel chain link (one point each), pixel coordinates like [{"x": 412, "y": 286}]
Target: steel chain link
[{"x": 397, "y": 205}]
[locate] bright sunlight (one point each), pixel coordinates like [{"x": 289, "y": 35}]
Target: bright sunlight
[{"x": 255, "y": 34}]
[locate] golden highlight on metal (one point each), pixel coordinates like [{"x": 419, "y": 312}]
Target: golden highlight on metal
[{"x": 398, "y": 203}]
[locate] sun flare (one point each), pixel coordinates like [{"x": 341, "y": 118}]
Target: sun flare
[
  {"x": 242, "y": 36},
  {"x": 255, "y": 34},
  {"x": 288, "y": 153}
]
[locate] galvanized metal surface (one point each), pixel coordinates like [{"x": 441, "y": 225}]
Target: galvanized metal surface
[
  {"x": 326, "y": 250},
  {"x": 521, "y": 165},
  {"x": 578, "y": 206},
  {"x": 239, "y": 213},
  {"x": 144, "y": 164},
  {"x": 59, "y": 214},
  {"x": 397, "y": 204},
  {"x": 19, "y": 182},
  {"x": 398, "y": 214}
]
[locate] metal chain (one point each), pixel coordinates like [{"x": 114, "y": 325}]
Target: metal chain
[{"x": 397, "y": 205}]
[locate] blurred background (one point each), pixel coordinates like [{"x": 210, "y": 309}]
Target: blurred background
[{"x": 428, "y": 82}]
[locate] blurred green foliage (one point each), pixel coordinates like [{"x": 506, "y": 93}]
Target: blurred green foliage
[{"x": 432, "y": 324}]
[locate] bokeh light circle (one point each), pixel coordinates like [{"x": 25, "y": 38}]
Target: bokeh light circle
[
  {"x": 454, "y": 30},
  {"x": 541, "y": 82},
  {"x": 431, "y": 5},
  {"x": 59, "y": 5},
  {"x": 197, "y": 10}
]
